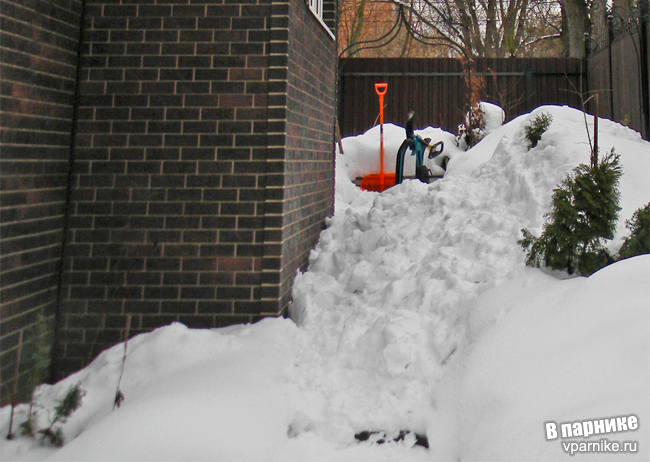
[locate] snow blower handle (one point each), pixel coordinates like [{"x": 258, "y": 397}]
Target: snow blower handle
[{"x": 436, "y": 149}]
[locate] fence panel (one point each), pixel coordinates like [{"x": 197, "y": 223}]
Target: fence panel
[
  {"x": 435, "y": 88},
  {"x": 618, "y": 65}
]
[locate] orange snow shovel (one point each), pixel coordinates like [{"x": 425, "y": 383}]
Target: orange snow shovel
[{"x": 379, "y": 181}]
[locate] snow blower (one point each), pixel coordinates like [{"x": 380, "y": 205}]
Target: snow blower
[{"x": 418, "y": 147}]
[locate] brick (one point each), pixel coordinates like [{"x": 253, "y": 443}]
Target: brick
[
  {"x": 213, "y": 168},
  {"x": 194, "y": 208},
  {"x": 199, "y": 264},
  {"x": 152, "y": 322},
  {"x": 120, "y": 10},
  {"x": 124, "y": 293},
  {"x": 227, "y": 87},
  {"x": 217, "y": 114},
  {"x": 199, "y": 127},
  {"x": 159, "y": 61},
  {"x": 166, "y": 100},
  {"x": 146, "y": 140},
  {"x": 183, "y": 250},
  {"x": 151, "y": 292},
  {"x": 194, "y": 293},
  {"x": 141, "y": 306},
  {"x": 126, "y": 36},
  {"x": 146, "y": 222},
  {"x": 167, "y": 181},
  {"x": 236, "y": 101},
  {"x": 197, "y": 154},
  {"x": 143, "y": 49},
  {"x": 215, "y": 23},
  {"x": 195, "y": 35},
  {"x": 216, "y": 279},
  {"x": 220, "y": 195},
  {"x": 130, "y": 101},
  {"x": 154, "y": 10},
  {"x": 212, "y": 48},
  {"x": 161, "y": 36},
  {"x": 87, "y": 292},
  {"x": 189, "y": 10},
  {"x": 147, "y": 113},
  {"x": 216, "y": 222},
  {"x": 145, "y": 23},
  {"x": 144, "y": 278},
  {"x": 234, "y": 127},
  {"x": 111, "y": 113},
  {"x": 163, "y": 264},
  {"x": 157, "y": 87},
  {"x": 248, "y": 23},
  {"x": 183, "y": 195},
  {"x": 129, "y": 127},
  {"x": 199, "y": 236},
  {"x": 197, "y": 321},
  {"x": 164, "y": 127},
  {"x": 179, "y": 23},
  {"x": 177, "y": 307},
  {"x": 234, "y": 293},
  {"x": 182, "y": 114},
  {"x": 108, "y": 48},
  {"x": 226, "y": 11},
  {"x": 180, "y": 278},
  {"x": 163, "y": 154},
  {"x": 165, "y": 208}
]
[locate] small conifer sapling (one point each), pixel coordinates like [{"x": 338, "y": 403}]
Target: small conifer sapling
[
  {"x": 119, "y": 396},
  {"x": 62, "y": 412},
  {"x": 37, "y": 362}
]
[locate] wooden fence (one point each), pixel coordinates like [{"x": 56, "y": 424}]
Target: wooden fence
[
  {"x": 617, "y": 67},
  {"x": 435, "y": 88}
]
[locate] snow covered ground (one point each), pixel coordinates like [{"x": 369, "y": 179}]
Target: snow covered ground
[{"x": 417, "y": 314}]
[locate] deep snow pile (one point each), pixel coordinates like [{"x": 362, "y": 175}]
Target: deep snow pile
[
  {"x": 417, "y": 313},
  {"x": 388, "y": 289}
]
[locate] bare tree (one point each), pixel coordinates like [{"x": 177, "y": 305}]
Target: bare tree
[
  {"x": 575, "y": 24},
  {"x": 376, "y": 28},
  {"x": 598, "y": 13},
  {"x": 470, "y": 28}
]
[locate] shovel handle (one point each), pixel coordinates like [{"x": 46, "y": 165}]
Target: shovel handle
[{"x": 381, "y": 88}]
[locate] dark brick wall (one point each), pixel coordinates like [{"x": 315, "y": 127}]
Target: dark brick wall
[
  {"x": 38, "y": 48},
  {"x": 183, "y": 154},
  {"x": 202, "y": 164},
  {"x": 309, "y": 170},
  {"x": 168, "y": 211}
]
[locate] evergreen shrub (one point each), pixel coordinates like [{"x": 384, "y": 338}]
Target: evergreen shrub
[
  {"x": 639, "y": 240},
  {"x": 584, "y": 214},
  {"x": 537, "y": 127}
]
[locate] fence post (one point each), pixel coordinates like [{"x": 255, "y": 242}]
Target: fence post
[
  {"x": 610, "y": 39},
  {"x": 644, "y": 19},
  {"x": 529, "y": 89}
]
